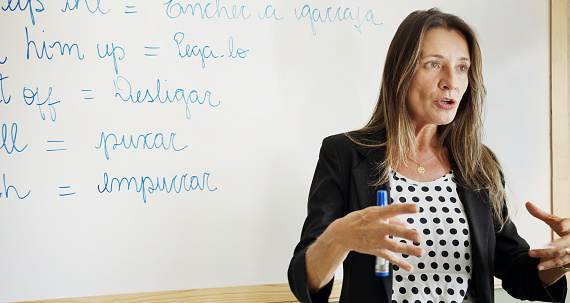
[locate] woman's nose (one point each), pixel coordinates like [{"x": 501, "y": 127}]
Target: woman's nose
[{"x": 448, "y": 79}]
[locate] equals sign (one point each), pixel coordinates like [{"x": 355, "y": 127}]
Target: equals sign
[
  {"x": 130, "y": 9},
  {"x": 65, "y": 191},
  {"x": 88, "y": 92},
  {"x": 151, "y": 48},
  {"x": 57, "y": 148}
]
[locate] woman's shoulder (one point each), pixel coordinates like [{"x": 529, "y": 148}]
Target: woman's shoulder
[
  {"x": 358, "y": 138},
  {"x": 356, "y": 145}
]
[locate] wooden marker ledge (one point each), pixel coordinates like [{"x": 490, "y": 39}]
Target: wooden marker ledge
[{"x": 270, "y": 293}]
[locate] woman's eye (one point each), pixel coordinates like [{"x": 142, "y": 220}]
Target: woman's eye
[
  {"x": 462, "y": 68},
  {"x": 432, "y": 65}
]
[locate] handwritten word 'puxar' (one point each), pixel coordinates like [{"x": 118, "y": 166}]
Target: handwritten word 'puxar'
[
  {"x": 125, "y": 92},
  {"x": 149, "y": 185},
  {"x": 144, "y": 141},
  {"x": 186, "y": 50}
]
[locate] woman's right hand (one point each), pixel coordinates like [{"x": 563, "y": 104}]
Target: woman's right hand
[{"x": 366, "y": 231}]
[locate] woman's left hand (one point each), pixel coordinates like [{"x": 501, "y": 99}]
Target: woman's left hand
[{"x": 558, "y": 252}]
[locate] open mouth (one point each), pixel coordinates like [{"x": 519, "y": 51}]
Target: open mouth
[{"x": 446, "y": 103}]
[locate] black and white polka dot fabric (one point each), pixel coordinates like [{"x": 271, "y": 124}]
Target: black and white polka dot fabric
[{"x": 443, "y": 274}]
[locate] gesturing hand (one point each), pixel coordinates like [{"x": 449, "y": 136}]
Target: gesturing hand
[
  {"x": 369, "y": 230},
  {"x": 558, "y": 252}
]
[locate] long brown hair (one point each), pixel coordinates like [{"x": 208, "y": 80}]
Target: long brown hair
[{"x": 479, "y": 167}]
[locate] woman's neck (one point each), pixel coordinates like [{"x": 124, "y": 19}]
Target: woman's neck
[{"x": 426, "y": 139}]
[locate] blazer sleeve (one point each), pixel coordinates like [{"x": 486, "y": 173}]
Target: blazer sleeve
[
  {"x": 518, "y": 271},
  {"x": 326, "y": 204}
]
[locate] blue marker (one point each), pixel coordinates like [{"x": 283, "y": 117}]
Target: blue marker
[{"x": 382, "y": 267}]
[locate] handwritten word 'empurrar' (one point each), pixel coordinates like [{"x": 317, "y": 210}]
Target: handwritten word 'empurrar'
[
  {"x": 124, "y": 91},
  {"x": 335, "y": 14},
  {"x": 11, "y": 140},
  {"x": 51, "y": 50},
  {"x": 7, "y": 188},
  {"x": 208, "y": 10},
  {"x": 144, "y": 141},
  {"x": 17, "y": 5},
  {"x": 146, "y": 185}
]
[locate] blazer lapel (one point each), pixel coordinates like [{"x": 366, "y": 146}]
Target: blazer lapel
[
  {"x": 364, "y": 175},
  {"x": 367, "y": 172},
  {"x": 480, "y": 220}
]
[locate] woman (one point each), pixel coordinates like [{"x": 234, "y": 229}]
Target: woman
[{"x": 447, "y": 221}]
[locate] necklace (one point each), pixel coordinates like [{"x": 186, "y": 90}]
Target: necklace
[{"x": 420, "y": 168}]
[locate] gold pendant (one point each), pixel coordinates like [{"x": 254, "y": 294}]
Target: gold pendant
[{"x": 421, "y": 170}]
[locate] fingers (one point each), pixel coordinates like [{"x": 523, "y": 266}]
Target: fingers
[
  {"x": 401, "y": 232},
  {"x": 553, "y": 256},
  {"x": 394, "y": 259},
  {"x": 542, "y": 215},
  {"x": 385, "y": 212},
  {"x": 555, "y": 262}
]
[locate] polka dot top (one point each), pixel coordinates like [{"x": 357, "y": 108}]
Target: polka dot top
[{"x": 443, "y": 274}]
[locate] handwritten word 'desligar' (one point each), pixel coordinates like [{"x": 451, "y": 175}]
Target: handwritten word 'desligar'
[
  {"x": 144, "y": 141},
  {"x": 338, "y": 14},
  {"x": 125, "y": 92},
  {"x": 144, "y": 185}
]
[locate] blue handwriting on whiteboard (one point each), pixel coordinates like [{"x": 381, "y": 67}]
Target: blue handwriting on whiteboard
[
  {"x": 196, "y": 51},
  {"x": 144, "y": 141},
  {"x": 124, "y": 91},
  {"x": 11, "y": 187},
  {"x": 148, "y": 184},
  {"x": 205, "y": 52},
  {"x": 207, "y": 10},
  {"x": 269, "y": 13},
  {"x": 74, "y": 4},
  {"x": 10, "y": 139},
  {"x": 3, "y": 100},
  {"x": 4, "y": 61},
  {"x": 62, "y": 48},
  {"x": 17, "y": 5},
  {"x": 112, "y": 52},
  {"x": 335, "y": 14},
  {"x": 30, "y": 96}
]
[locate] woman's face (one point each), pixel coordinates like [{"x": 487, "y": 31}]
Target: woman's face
[{"x": 440, "y": 79}]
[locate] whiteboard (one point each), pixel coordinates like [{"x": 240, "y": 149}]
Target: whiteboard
[{"x": 149, "y": 148}]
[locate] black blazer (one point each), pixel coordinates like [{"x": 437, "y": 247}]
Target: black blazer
[{"x": 341, "y": 184}]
